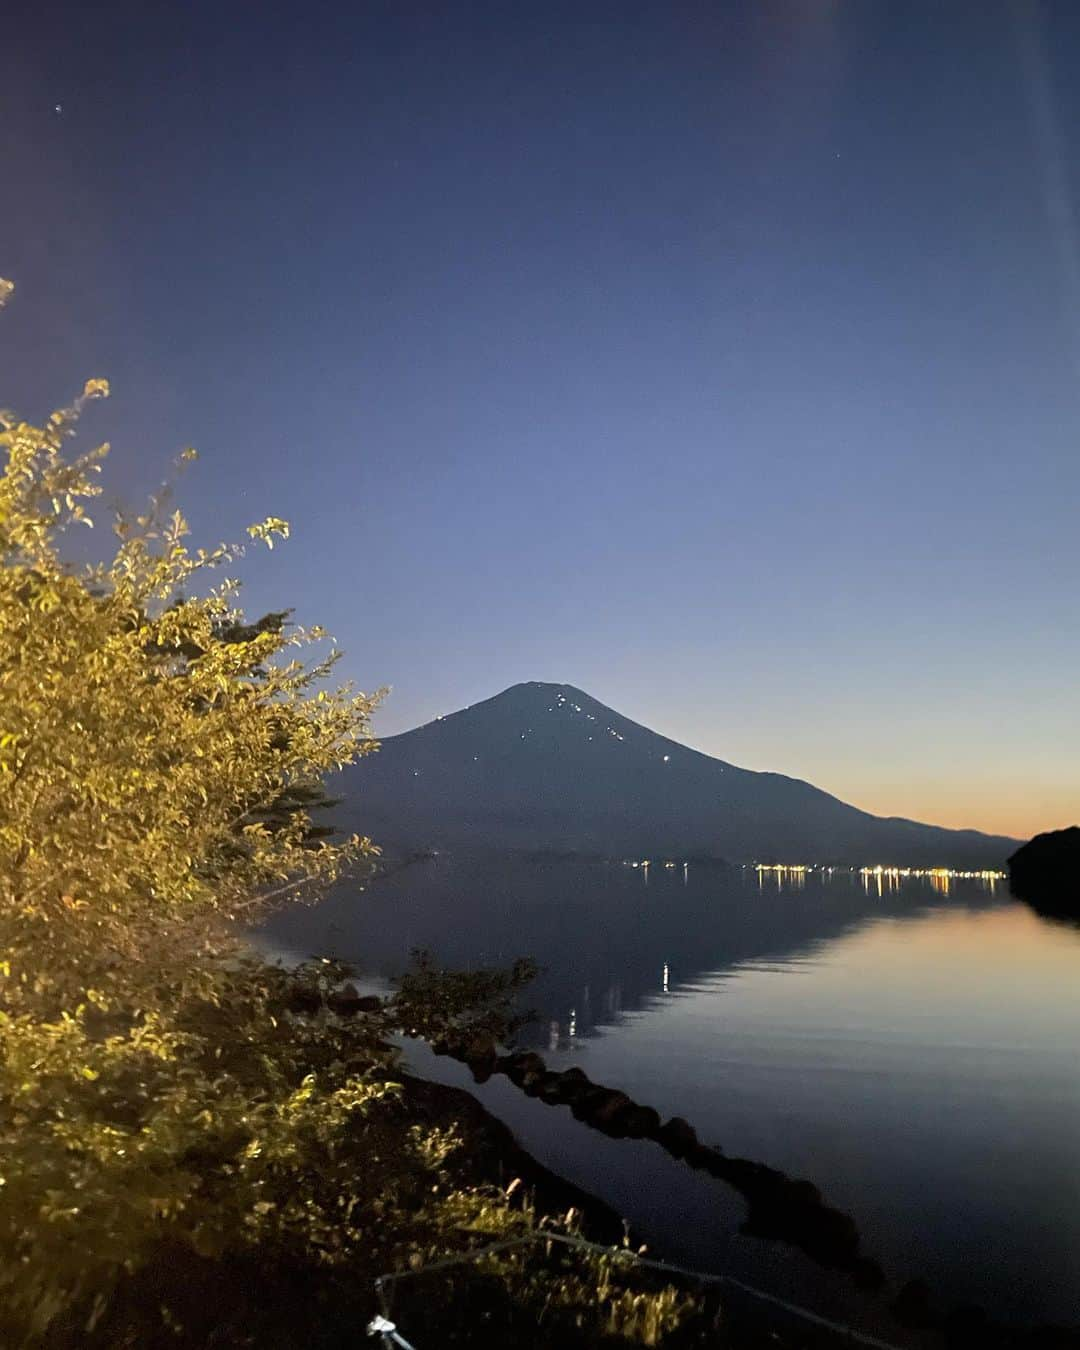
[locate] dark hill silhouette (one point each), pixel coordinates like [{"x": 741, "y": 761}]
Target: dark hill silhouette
[
  {"x": 1046, "y": 873},
  {"x": 546, "y": 768}
]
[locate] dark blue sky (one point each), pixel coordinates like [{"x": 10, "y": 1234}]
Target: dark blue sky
[{"x": 722, "y": 359}]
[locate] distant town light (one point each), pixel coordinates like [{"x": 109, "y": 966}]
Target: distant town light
[{"x": 893, "y": 873}]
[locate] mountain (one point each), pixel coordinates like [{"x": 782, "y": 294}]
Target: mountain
[{"x": 546, "y": 768}]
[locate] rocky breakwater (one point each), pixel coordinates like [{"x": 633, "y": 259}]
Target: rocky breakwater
[{"x": 779, "y": 1207}]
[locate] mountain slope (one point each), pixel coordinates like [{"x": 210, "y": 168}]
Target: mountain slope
[{"x": 545, "y": 767}]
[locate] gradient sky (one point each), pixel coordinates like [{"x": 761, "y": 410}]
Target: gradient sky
[{"x": 722, "y": 359}]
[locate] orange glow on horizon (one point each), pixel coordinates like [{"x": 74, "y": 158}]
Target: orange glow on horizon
[
  {"x": 989, "y": 808},
  {"x": 1009, "y": 784}
]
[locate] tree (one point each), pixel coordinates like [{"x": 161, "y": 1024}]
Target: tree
[
  {"x": 135, "y": 722},
  {"x": 159, "y": 759},
  {"x": 177, "y": 1148}
]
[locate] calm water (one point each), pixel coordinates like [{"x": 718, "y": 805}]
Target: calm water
[{"x": 915, "y": 1054}]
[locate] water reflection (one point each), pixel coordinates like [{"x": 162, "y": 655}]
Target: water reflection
[
  {"x": 911, "y": 1043},
  {"x": 610, "y": 939}
]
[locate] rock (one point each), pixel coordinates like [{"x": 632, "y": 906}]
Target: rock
[
  {"x": 639, "y": 1122},
  {"x": 572, "y": 1086},
  {"x": 346, "y": 1002},
  {"x": 456, "y": 1041},
  {"x": 449, "y": 1043},
  {"x": 803, "y": 1193},
  {"x": 588, "y": 1100},
  {"x": 1046, "y": 873},
  {"x": 480, "y": 1049},
  {"x": 548, "y": 1088},
  {"x": 307, "y": 1001},
  {"x": 912, "y": 1305},
  {"x": 526, "y": 1064},
  {"x": 866, "y": 1273},
  {"x": 530, "y": 1084},
  {"x": 712, "y": 1160},
  {"x": 826, "y": 1234},
  {"x": 481, "y": 1057},
  {"x": 752, "y": 1178},
  {"x": 678, "y": 1136},
  {"x": 968, "y": 1328},
  {"x": 703, "y": 1158},
  {"x": 604, "y": 1113},
  {"x": 344, "y": 997},
  {"x": 459, "y": 1043},
  {"x": 778, "y": 1207}
]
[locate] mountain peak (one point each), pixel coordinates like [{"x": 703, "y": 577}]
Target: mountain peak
[
  {"x": 534, "y": 696},
  {"x": 544, "y": 689},
  {"x": 544, "y": 766}
]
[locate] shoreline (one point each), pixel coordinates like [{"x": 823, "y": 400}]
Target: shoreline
[
  {"x": 910, "y": 1320},
  {"x": 493, "y": 1155},
  {"x": 498, "y": 1159},
  {"x": 791, "y": 1207}
]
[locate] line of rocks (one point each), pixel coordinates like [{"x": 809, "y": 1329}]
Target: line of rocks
[{"x": 779, "y": 1207}]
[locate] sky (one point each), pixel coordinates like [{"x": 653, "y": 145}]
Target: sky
[{"x": 720, "y": 359}]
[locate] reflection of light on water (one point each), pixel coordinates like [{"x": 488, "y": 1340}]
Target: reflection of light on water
[
  {"x": 572, "y": 1027},
  {"x": 947, "y": 873},
  {"x": 666, "y": 977},
  {"x": 882, "y": 878},
  {"x": 793, "y": 873}
]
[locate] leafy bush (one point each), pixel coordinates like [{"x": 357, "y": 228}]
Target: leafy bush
[{"x": 182, "y": 1158}]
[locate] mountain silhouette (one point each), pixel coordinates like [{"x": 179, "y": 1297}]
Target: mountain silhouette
[{"x": 546, "y": 768}]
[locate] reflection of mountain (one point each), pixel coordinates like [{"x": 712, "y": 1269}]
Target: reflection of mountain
[
  {"x": 543, "y": 767},
  {"x": 606, "y": 937}
]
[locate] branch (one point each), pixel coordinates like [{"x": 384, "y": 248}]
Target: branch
[{"x": 272, "y": 895}]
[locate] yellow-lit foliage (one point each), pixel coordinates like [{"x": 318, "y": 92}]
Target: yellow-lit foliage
[
  {"x": 139, "y": 735},
  {"x": 180, "y": 1155},
  {"x": 151, "y": 1085}
]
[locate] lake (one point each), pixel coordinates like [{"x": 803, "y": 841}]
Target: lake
[{"x": 912, "y": 1047}]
